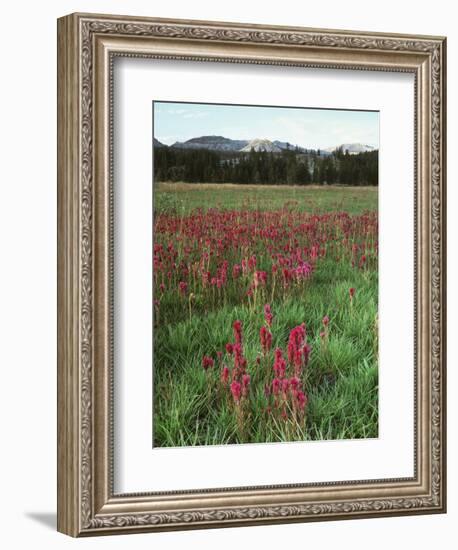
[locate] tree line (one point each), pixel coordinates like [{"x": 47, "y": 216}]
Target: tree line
[{"x": 260, "y": 167}]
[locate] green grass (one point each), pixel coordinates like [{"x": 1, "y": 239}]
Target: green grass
[
  {"x": 185, "y": 197},
  {"x": 342, "y": 375}
]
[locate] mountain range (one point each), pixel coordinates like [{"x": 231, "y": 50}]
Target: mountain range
[
  {"x": 220, "y": 143},
  {"x": 213, "y": 143},
  {"x": 352, "y": 148}
]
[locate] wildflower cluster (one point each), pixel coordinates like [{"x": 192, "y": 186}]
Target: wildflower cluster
[
  {"x": 251, "y": 257},
  {"x": 279, "y": 375}
]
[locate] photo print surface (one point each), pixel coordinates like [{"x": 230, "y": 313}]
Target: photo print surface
[{"x": 265, "y": 274}]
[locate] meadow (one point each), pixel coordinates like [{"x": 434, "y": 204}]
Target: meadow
[{"x": 265, "y": 313}]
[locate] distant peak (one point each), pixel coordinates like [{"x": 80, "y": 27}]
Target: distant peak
[
  {"x": 352, "y": 148},
  {"x": 158, "y": 143},
  {"x": 259, "y": 144}
]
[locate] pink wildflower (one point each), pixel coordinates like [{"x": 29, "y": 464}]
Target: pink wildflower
[
  {"x": 259, "y": 278},
  {"x": 301, "y": 399},
  {"x": 225, "y": 375},
  {"x": 279, "y": 364},
  {"x": 207, "y": 362},
  {"x": 237, "y": 326},
  {"x": 268, "y": 315},
  {"x": 245, "y": 384},
  {"x": 276, "y": 386},
  {"x": 236, "y": 390},
  {"x": 183, "y": 287},
  {"x": 266, "y": 339}
]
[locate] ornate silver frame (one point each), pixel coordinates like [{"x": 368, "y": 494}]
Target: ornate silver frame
[{"x": 87, "y": 44}]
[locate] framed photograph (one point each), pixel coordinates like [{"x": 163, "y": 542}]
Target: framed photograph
[{"x": 251, "y": 289}]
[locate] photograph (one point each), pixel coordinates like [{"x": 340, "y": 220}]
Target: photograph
[
  {"x": 265, "y": 274},
  {"x": 251, "y": 272}
]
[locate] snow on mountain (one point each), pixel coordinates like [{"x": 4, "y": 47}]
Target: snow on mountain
[
  {"x": 221, "y": 143},
  {"x": 352, "y": 148},
  {"x": 157, "y": 143},
  {"x": 261, "y": 145}
]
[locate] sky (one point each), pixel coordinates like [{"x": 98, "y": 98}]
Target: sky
[{"x": 310, "y": 128}]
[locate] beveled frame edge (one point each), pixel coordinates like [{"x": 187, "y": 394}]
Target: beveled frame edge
[{"x": 86, "y": 505}]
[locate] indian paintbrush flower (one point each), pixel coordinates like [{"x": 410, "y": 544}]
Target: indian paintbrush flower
[
  {"x": 279, "y": 364},
  {"x": 207, "y": 362},
  {"x": 183, "y": 287},
  {"x": 245, "y": 384},
  {"x": 237, "y": 326},
  {"x": 301, "y": 399},
  {"x": 236, "y": 390},
  {"x": 266, "y": 339},
  {"x": 268, "y": 315},
  {"x": 225, "y": 375}
]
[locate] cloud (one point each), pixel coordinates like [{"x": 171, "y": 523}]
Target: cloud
[
  {"x": 176, "y": 111},
  {"x": 195, "y": 115},
  {"x": 183, "y": 113}
]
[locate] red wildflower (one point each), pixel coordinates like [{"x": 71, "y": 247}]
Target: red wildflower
[
  {"x": 225, "y": 375},
  {"x": 266, "y": 339},
  {"x": 237, "y": 326},
  {"x": 286, "y": 275},
  {"x": 207, "y": 362},
  {"x": 259, "y": 278},
  {"x": 303, "y": 270},
  {"x": 236, "y": 390},
  {"x": 306, "y": 351},
  {"x": 294, "y": 383},
  {"x": 295, "y": 343},
  {"x": 236, "y": 269},
  {"x": 279, "y": 364},
  {"x": 183, "y": 287},
  {"x": 268, "y": 315},
  {"x": 238, "y": 354},
  {"x": 301, "y": 399},
  {"x": 276, "y": 385},
  {"x": 245, "y": 384},
  {"x": 285, "y": 385},
  {"x": 240, "y": 363},
  {"x": 229, "y": 348}
]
